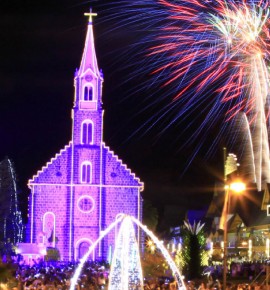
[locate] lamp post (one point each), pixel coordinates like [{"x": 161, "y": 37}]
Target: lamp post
[{"x": 236, "y": 187}]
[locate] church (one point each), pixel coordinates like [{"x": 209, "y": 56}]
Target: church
[{"x": 85, "y": 187}]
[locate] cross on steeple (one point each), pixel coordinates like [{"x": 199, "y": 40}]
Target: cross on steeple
[{"x": 90, "y": 14}]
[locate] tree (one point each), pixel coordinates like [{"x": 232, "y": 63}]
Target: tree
[
  {"x": 150, "y": 215},
  {"x": 193, "y": 254},
  {"x": 11, "y": 230}
]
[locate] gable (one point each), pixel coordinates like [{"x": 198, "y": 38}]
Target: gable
[
  {"x": 56, "y": 170},
  {"x": 266, "y": 198},
  {"x": 234, "y": 223},
  {"x": 116, "y": 172},
  {"x": 213, "y": 210}
]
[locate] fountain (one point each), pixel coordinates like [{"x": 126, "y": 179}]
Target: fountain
[{"x": 126, "y": 270}]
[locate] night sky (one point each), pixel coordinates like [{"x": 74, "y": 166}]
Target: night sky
[{"x": 41, "y": 46}]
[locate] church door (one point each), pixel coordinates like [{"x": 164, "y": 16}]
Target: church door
[{"x": 83, "y": 249}]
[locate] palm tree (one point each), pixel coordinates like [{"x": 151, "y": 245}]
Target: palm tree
[{"x": 191, "y": 257}]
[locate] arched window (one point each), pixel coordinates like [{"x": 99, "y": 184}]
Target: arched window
[
  {"x": 87, "y": 132},
  {"x": 81, "y": 248},
  {"x": 86, "y": 172},
  {"x": 49, "y": 228},
  {"x": 88, "y": 93}
]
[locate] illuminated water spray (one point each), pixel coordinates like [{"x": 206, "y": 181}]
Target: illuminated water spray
[
  {"x": 126, "y": 271},
  {"x": 164, "y": 252},
  {"x": 90, "y": 250}
]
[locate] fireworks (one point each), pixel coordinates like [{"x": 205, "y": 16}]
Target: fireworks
[{"x": 212, "y": 55}]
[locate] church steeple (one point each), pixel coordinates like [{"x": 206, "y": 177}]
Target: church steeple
[
  {"x": 89, "y": 59},
  {"x": 88, "y": 79},
  {"x": 87, "y": 110}
]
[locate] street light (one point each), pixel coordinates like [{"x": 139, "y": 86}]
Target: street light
[{"x": 237, "y": 187}]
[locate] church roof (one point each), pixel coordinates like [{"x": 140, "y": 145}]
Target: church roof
[
  {"x": 117, "y": 172},
  {"x": 58, "y": 171},
  {"x": 53, "y": 171}
]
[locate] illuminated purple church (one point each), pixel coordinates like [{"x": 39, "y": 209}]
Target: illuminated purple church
[{"x": 85, "y": 187}]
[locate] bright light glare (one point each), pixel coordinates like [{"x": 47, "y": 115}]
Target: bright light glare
[
  {"x": 43, "y": 252},
  {"x": 238, "y": 186}
]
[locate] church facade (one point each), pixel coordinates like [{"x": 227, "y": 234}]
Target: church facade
[{"x": 85, "y": 187}]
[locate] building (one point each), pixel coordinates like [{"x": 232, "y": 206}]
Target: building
[
  {"x": 248, "y": 224},
  {"x": 85, "y": 187}
]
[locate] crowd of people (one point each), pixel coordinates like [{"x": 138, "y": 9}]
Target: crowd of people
[
  {"x": 53, "y": 276},
  {"x": 247, "y": 270},
  {"x": 57, "y": 276},
  {"x": 94, "y": 276}
]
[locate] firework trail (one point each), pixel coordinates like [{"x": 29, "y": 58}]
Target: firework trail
[{"x": 212, "y": 55}]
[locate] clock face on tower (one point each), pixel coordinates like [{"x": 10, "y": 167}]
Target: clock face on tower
[{"x": 86, "y": 204}]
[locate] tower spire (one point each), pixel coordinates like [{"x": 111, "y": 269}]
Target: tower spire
[{"x": 89, "y": 59}]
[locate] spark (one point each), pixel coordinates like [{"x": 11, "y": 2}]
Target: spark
[{"x": 212, "y": 56}]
